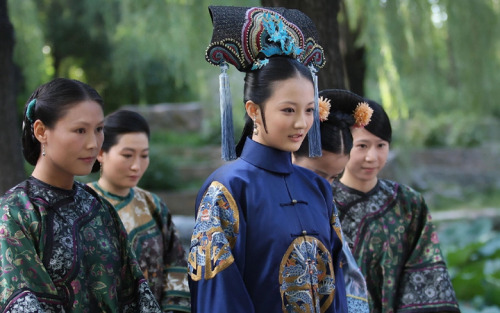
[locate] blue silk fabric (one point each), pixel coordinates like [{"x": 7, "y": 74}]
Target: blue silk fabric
[{"x": 266, "y": 239}]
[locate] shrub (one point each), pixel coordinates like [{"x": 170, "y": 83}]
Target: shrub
[
  {"x": 162, "y": 173},
  {"x": 472, "y": 252}
]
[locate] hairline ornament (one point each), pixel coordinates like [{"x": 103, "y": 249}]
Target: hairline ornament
[
  {"x": 324, "y": 108},
  {"x": 30, "y": 110},
  {"x": 362, "y": 114}
]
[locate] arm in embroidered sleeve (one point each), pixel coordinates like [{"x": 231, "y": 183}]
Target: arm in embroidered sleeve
[
  {"x": 21, "y": 268},
  {"x": 176, "y": 297},
  {"x": 425, "y": 282},
  {"x": 216, "y": 282}
]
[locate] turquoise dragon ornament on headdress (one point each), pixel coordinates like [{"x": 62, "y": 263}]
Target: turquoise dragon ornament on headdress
[
  {"x": 245, "y": 37},
  {"x": 278, "y": 34}
]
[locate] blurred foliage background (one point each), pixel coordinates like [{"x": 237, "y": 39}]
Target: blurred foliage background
[
  {"x": 434, "y": 65},
  {"x": 472, "y": 252}
]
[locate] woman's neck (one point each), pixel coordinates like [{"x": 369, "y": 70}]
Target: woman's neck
[
  {"x": 360, "y": 185},
  {"x": 58, "y": 180},
  {"x": 111, "y": 188}
]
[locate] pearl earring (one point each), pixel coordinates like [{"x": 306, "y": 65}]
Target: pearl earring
[{"x": 255, "y": 129}]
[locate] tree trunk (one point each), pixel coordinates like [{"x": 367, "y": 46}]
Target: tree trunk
[
  {"x": 324, "y": 15},
  {"x": 354, "y": 57},
  {"x": 11, "y": 159}
]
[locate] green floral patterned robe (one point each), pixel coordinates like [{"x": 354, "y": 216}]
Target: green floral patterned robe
[
  {"x": 66, "y": 251},
  {"x": 396, "y": 246}
]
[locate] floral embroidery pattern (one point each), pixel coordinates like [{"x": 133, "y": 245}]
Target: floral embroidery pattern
[
  {"x": 395, "y": 243},
  {"x": 153, "y": 237},
  {"x": 63, "y": 250}
]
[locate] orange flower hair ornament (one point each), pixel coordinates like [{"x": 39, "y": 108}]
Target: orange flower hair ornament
[
  {"x": 362, "y": 114},
  {"x": 324, "y": 108}
]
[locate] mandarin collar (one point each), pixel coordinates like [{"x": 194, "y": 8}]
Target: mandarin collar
[
  {"x": 359, "y": 192},
  {"x": 267, "y": 158},
  {"x": 61, "y": 191},
  {"x": 111, "y": 195}
]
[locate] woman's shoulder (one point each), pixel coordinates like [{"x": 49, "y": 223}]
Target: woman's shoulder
[
  {"x": 87, "y": 189},
  {"x": 22, "y": 198},
  {"x": 16, "y": 189},
  {"x": 304, "y": 171},
  {"x": 146, "y": 194},
  {"x": 231, "y": 173},
  {"x": 31, "y": 190},
  {"x": 399, "y": 188},
  {"x": 16, "y": 196},
  {"x": 235, "y": 178},
  {"x": 143, "y": 192},
  {"x": 309, "y": 176},
  {"x": 404, "y": 194},
  {"x": 95, "y": 186}
]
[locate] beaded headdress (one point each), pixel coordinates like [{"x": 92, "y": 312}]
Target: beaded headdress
[{"x": 246, "y": 37}]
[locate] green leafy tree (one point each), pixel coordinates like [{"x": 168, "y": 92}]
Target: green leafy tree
[
  {"x": 431, "y": 63},
  {"x": 33, "y": 62},
  {"x": 133, "y": 52}
]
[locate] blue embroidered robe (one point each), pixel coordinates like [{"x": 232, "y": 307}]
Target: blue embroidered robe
[{"x": 266, "y": 239}]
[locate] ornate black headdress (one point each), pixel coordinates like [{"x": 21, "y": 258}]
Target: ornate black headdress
[{"x": 246, "y": 37}]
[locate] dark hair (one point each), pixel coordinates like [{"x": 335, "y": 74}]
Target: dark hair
[
  {"x": 335, "y": 132},
  {"x": 259, "y": 86},
  {"x": 379, "y": 125},
  {"x": 53, "y": 100}
]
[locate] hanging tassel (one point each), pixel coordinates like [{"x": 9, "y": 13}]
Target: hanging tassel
[
  {"x": 314, "y": 134},
  {"x": 226, "y": 114}
]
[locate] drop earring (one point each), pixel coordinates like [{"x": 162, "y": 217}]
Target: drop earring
[
  {"x": 255, "y": 129},
  {"x": 43, "y": 150}
]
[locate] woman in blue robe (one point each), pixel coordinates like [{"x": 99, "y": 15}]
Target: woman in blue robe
[{"x": 266, "y": 238}]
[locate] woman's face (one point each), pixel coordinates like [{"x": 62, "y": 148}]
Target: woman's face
[
  {"x": 329, "y": 166},
  {"x": 289, "y": 114},
  {"x": 72, "y": 145},
  {"x": 125, "y": 163},
  {"x": 368, "y": 157}
]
